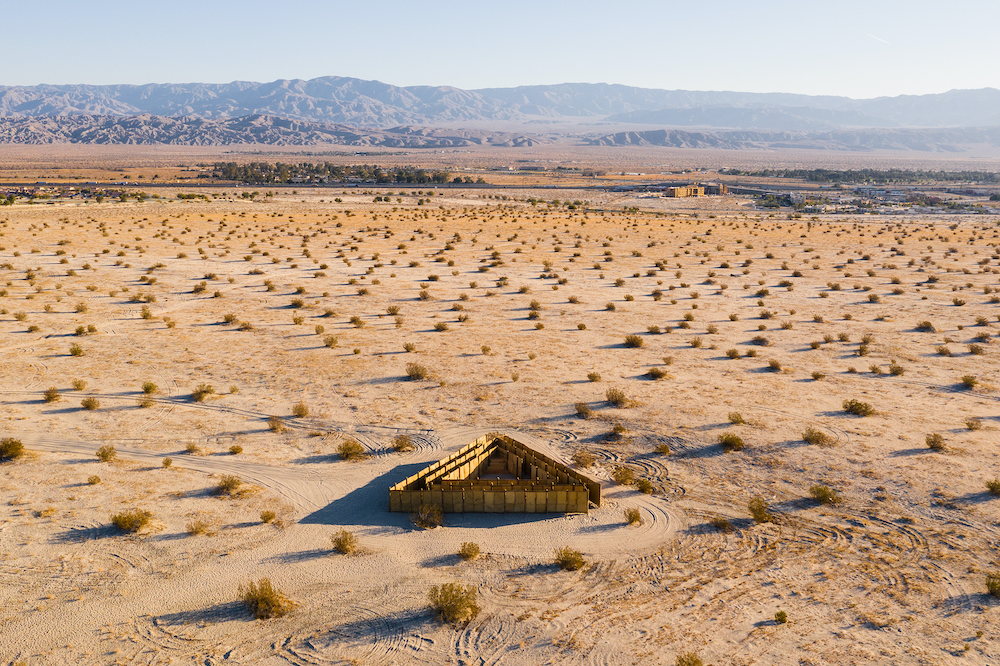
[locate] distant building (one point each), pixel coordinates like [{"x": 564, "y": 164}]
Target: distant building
[
  {"x": 684, "y": 191},
  {"x": 715, "y": 189}
]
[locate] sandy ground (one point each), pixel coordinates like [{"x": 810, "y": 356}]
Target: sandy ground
[{"x": 894, "y": 573}]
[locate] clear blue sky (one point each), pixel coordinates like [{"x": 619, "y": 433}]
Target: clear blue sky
[{"x": 845, "y": 47}]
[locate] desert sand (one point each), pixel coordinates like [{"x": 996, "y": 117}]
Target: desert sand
[{"x": 893, "y": 573}]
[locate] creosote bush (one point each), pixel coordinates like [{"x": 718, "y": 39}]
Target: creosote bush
[
  {"x": 688, "y": 659},
  {"x": 201, "y": 392},
  {"x": 633, "y": 516},
  {"x": 228, "y": 485},
  {"x": 415, "y": 371},
  {"x": 275, "y": 424},
  {"x": 994, "y": 487},
  {"x": 730, "y": 441},
  {"x": 569, "y": 559},
  {"x": 428, "y": 516},
  {"x": 107, "y": 453},
  {"x": 454, "y": 602},
  {"x": 623, "y": 475},
  {"x": 350, "y": 450},
  {"x": 617, "y": 397},
  {"x": 300, "y": 409},
  {"x": 634, "y": 341},
  {"x": 969, "y": 381},
  {"x": 824, "y": 494},
  {"x": 267, "y": 516},
  {"x": 760, "y": 511},
  {"x": 402, "y": 443},
  {"x": 469, "y": 550},
  {"x": 736, "y": 418},
  {"x": 583, "y": 459},
  {"x": 594, "y": 376},
  {"x": 264, "y": 600},
  {"x": 858, "y": 408},
  {"x": 344, "y": 542},
  {"x": 131, "y": 520},
  {"x": 781, "y": 617},
  {"x": 93, "y": 480},
  {"x": 722, "y": 524},
  {"x": 817, "y": 437},
  {"x": 935, "y": 442},
  {"x": 51, "y": 394},
  {"x": 11, "y": 449},
  {"x": 235, "y": 450}
]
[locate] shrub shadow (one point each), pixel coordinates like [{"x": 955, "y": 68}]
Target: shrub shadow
[
  {"x": 80, "y": 534},
  {"x": 224, "y": 612}
]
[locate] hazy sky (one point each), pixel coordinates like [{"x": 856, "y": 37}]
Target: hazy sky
[{"x": 836, "y": 47}]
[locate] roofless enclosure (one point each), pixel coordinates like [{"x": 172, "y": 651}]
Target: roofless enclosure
[{"x": 497, "y": 474}]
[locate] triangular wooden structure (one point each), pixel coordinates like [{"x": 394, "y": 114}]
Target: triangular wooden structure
[{"x": 497, "y": 474}]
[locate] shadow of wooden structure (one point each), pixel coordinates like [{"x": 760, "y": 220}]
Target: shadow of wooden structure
[{"x": 497, "y": 474}]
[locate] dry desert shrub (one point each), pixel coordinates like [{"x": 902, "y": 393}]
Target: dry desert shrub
[
  {"x": 858, "y": 408},
  {"x": 267, "y": 516},
  {"x": 107, "y": 453},
  {"x": 935, "y": 442},
  {"x": 617, "y": 397},
  {"x": 469, "y": 551},
  {"x": 75, "y": 350},
  {"x": 300, "y": 409},
  {"x": 275, "y": 424},
  {"x": 824, "y": 494},
  {"x": 969, "y": 382},
  {"x": 416, "y": 372},
  {"x": 11, "y": 449},
  {"x": 634, "y": 341},
  {"x": 993, "y": 584},
  {"x": 623, "y": 475},
  {"x": 51, "y": 394},
  {"x": 344, "y": 542},
  {"x": 722, "y": 524},
  {"x": 760, "y": 511},
  {"x": 569, "y": 559},
  {"x": 994, "y": 487},
  {"x": 736, "y": 418},
  {"x": 79, "y": 384},
  {"x": 131, "y": 520},
  {"x": 351, "y": 451},
  {"x": 594, "y": 376},
  {"x": 198, "y": 526},
  {"x": 730, "y": 441},
  {"x": 662, "y": 448},
  {"x": 428, "y": 516},
  {"x": 817, "y": 437},
  {"x": 974, "y": 423},
  {"x": 201, "y": 392},
  {"x": 454, "y": 603},
  {"x": 235, "y": 449},
  {"x": 583, "y": 410},
  {"x": 93, "y": 480},
  {"x": 264, "y": 600},
  {"x": 583, "y": 459},
  {"x": 228, "y": 485},
  {"x": 688, "y": 659},
  {"x": 633, "y": 516},
  {"x": 402, "y": 443}
]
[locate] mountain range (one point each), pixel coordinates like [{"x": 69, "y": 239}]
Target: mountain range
[
  {"x": 348, "y": 111},
  {"x": 373, "y": 104}
]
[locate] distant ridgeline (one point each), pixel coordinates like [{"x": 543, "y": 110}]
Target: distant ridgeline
[
  {"x": 262, "y": 173},
  {"x": 869, "y": 175}
]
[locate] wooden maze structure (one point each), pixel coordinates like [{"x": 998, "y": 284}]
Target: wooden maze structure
[{"x": 497, "y": 474}]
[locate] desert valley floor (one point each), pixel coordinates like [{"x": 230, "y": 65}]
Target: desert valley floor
[{"x": 741, "y": 323}]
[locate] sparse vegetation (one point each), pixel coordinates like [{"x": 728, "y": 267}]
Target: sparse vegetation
[
  {"x": 858, "y": 408},
  {"x": 760, "y": 510},
  {"x": 344, "y": 542},
  {"x": 402, "y": 443},
  {"x": 11, "y": 449},
  {"x": 416, "y": 372},
  {"x": 468, "y": 551},
  {"x": 569, "y": 559},
  {"x": 730, "y": 442},
  {"x": 107, "y": 453},
  {"x": 351, "y": 451},
  {"x": 824, "y": 494},
  {"x": 633, "y": 516},
  {"x": 131, "y": 520},
  {"x": 264, "y": 600},
  {"x": 428, "y": 516},
  {"x": 454, "y": 603},
  {"x": 935, "y": 442},
  {"x": 817, "y": 437}
]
